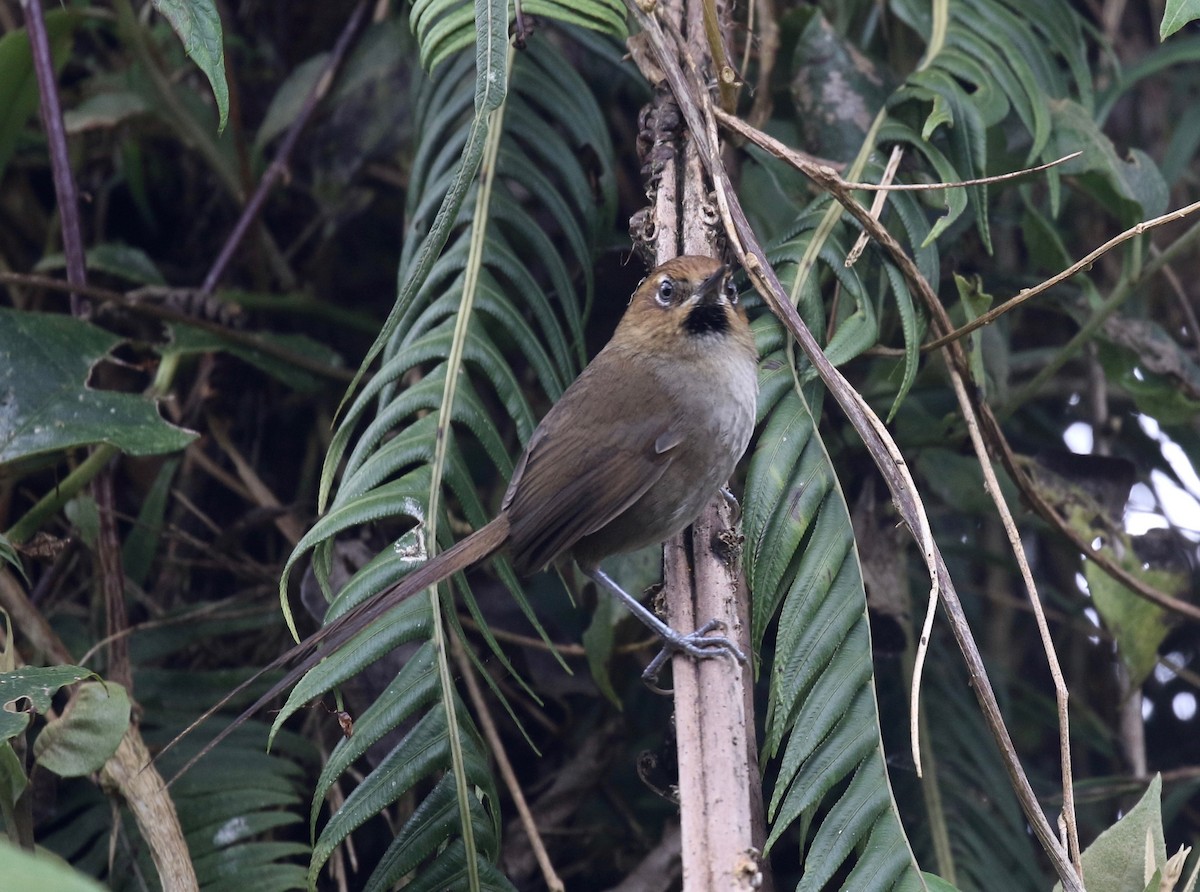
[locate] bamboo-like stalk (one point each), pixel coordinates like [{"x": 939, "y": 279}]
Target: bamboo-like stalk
[{"x": 720, "y": 799}]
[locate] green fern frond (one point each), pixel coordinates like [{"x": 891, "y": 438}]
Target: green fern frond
[
  {"x": 520, "y": 252},
  {"x": 822, "y": 723}
]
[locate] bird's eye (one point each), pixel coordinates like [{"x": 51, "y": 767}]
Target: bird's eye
[
  {"x": 666, "y": 288},
  {"x": 731, "y": 292}
]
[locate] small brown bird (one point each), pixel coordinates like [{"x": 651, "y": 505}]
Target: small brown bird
[
  {"x": 641, "y": 441},
  {"x": 636, "y": 446},
  {"x": 628, "y": 456}
]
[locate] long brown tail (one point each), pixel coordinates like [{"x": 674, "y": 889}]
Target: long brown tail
[{"x": 483, "y": 543}]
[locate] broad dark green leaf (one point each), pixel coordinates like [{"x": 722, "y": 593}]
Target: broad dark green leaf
[
  {"x": 83, "y": 738},
  {"x": 1117, "y": 860},
  {"x": 1131, "y": 189},
  {"x": 26, "y": 870},
  {"x": 35, "y": 685},
  {"x": 45, "y": 403}
]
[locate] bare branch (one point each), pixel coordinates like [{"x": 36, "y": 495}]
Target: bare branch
[
  {"x": 488, "y": 725},
  {"x": 1079, "y": 266},
  {"x": 56, "y": 138}
]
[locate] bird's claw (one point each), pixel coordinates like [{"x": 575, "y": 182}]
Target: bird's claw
[{"x": 699, "y": 645}]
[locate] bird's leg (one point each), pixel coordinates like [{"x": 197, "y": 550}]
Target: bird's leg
[
  {"x": 735, "y": 509},
  {"x": 698, "y": 644}
]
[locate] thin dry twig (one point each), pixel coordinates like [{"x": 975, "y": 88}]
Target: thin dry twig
[
  {"x": 889, "y": 174},
  {"x": 822, "y": 173},
  {"x": 886, "y": 186},
  {"x": 488, "y": 725},
  {"x": 1085, "y": 263},
  {"x": 1061, "y": 693}
]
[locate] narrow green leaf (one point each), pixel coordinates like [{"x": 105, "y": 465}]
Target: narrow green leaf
[
  {"x": 12, "y": 776},
  {"x": 408, "y": 621},
  {"x": 424, "y": 750},
  {"x": 45, "y": 404},
  {"x": 288, "y": 100},
  {"x": 450, "y": 871},
  {"x": 913, "y": 331},
  {"x": 187, "y": 340},
  {"x": 433, "y": 822},
  {"x": 142, "y": 542},
  {"x": 975, "y": 302},
  {"x": 836, "y": 757},
  {"x": 124, "y": 261},
  {"x": 851, "y": 820},
  {"x": 8, "y": 554},
  {"x": 414, "y": 688},
  {"x": 198, "y": 25},
  {"x": 1177, "y": 14},
  {"x": 257, "y": 857}
]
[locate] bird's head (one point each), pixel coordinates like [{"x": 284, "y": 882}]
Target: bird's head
[{"x": 687, "y": 304}]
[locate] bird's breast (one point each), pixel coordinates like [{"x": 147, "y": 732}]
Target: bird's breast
[{"x": 713, "y": 408}]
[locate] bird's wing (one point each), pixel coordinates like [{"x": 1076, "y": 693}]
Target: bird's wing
[{"x": 581, "y": 471}]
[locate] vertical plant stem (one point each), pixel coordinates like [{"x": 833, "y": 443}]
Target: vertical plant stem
[
  {"x": 111, "y": 577},
  {"x": 60, "y": 162},
  {"x": 454, "y": 364},
  {"x": 722, "y": 824}
]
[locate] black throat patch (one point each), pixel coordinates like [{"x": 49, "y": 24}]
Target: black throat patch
[{"x": 707, "y": 319}]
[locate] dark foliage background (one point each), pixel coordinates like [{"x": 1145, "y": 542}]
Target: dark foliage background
[{"x": 1097, "y": 384}]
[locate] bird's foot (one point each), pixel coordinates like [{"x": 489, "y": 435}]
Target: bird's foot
[{"x": 699, "y": 645}]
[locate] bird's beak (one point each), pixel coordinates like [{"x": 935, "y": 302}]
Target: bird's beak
[{"x": 711, "y": 291}]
